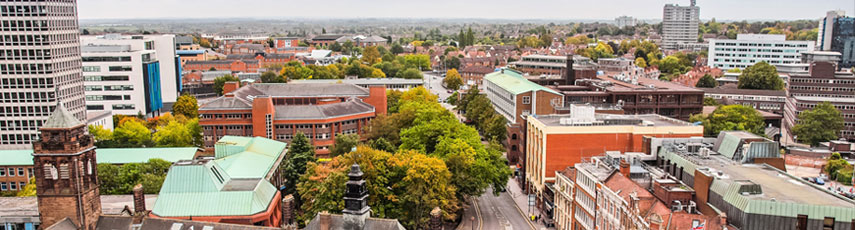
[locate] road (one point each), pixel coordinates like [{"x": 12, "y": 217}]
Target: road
[{"x": 433, "y": 81}]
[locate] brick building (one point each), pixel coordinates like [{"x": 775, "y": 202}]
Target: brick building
[
  {"x": 66, "y": 175},
  {"x": 473, "y": 75},
  {"x": 516, "y": 98},
  {"x": 278, "y": 111},
  {"x": 325, "y": 39},
  {"x": 285, "y": 42},
  {"x": 765, "y": 100},
  {"x": 824, "y": 82},
  {"x": 637, "y": 95},
  {"x": 554, "y": 142},
  {"x": 250, "y": 65}
]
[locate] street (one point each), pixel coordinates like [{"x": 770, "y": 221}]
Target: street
[{"x": 433, "y": 82}]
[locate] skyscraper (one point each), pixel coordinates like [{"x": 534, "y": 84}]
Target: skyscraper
[
  {"x": 680, "y": 25},
  {"x": 40, "y": 64},
  {"x": 825, "y": 30}
]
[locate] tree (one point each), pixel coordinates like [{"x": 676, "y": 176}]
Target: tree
[
  {"x": 822, "y": 123},
  {"x": 760, "y": 76},
  {"x": 383, "y": 145},
  {"x": 370, "y": 55},
  {"x": 731, "y": 117},
  {"x": 640, "y": 62},
  {"x": 397, "y": 49},
  {"x": 344, "y": 143},
  {"x": 219, "y": 82},
  {"x": 187, "y": 106},
  {"x": 452, "y": 80},
  {"x": 673, "y": 65},
  {"x": 299, "y": 155},
  {"x": 707, "y": 81},
  {"x": 132, "y": 133},
  {"x": 120, "y": 180},
  {"x": 708, "y": 101},
  {"x": 174, "y": 134},
  {"x": 412, "y": 73},
  {"x": 271, "y": 77},
  {"x": 100, "y": 133},
  {"x": 29, "y": 189}
]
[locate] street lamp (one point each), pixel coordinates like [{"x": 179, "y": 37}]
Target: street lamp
[{"x": 473, "y": 222}]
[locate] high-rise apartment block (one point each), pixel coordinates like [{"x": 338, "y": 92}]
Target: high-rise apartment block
[
  {"x": 680, "y": 25},
  {"x": 836, "y": 32},
  {"x": 825, "y": 29},
  {"x": 39, "y": 65},
  {"x": 625, "y": 21}
]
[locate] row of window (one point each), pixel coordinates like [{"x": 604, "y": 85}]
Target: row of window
[
  {"x": 110, "y": 68},
  {"x": 105, "y": 78},
  {"x": 17, "y": 139},
  {"x": 115, "y": 107},
  {"x": 20, "y": 125},
  {"x": 107, "y": 97},
  {"x": 25, "y": 111},
  {"x": 11, "y": 172},
  {"x": 24, "y": 40},
  {"x": 759, "y": 44},
  {"x": 12, "y": 186},
  {"x": 107, "y": 59},
  {"x": 822, "y": 81},
  {"x": 108, "y": 87},
  {"x": 19, "y": 10},
  {"x": 821, "y": 88},
  {"x": 26, "y": 83},
  {"x": 11, "y": 97}
]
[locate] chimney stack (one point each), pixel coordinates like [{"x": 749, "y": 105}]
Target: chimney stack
[
  {"x": 288, "y": 209},
  {"x": 326, "y": 220},
  {"x": 436, "y": 219},
  {"x": 722, "y": 219},
  {"x": 624, "y": 168},
  {"x": 569, "y": 73},
  {"x": 139, "y": 199},
  {"x": 230, "y": 86}
]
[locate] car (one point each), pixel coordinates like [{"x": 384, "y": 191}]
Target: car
[
  {"x": 819, "y": 181},
  {"x": 449, "y": 91}
]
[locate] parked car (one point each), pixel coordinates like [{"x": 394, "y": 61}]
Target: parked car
[
  {"x": 449, "y": 91},
  {"x": 819, "y": 181}
]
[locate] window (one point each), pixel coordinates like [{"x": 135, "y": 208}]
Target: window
[
  {"x": 828, "y": 223},
  {"x": 20, "y": 171},
  {"x": 526, "y": 100},
  {"x": 3, "y": 186},
  {"x": 13, "y": 186},
  {"x": 120, "y": 68},
  {"x": 91, "y": 69},
  {"x": 801, "y": 224},
  {"x": 2, "y": 172}
]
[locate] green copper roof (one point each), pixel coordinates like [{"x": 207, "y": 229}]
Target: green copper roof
[
  {"x": 233, "y": 184},
  {"x": 729, "y": 144},
  {"x": 514, "y": 82},
  {"x": 109, "y": 155}
]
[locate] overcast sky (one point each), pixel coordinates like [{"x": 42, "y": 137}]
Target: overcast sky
[{"x": 491, "y": 9}]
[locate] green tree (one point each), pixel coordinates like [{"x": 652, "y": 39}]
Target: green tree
[
  {"x": 707, "y": 81},
  {"x": 412, "y": 73},
  {"x": 822, "y": 123},
  {"x": 132, "y": 133},
  {"x": 299, "y": 155},
  {"x": 344, "y": 143},
  {"x": 397, "y": 49},
  {"x": 271, "y": 77},
  {"x": 382, "y": 144},
  {"x": 708, "y": 101},
  {"x": 760, "y": 76},
  {"x": 452, "y": 80},
  {"x": 731, "y": 117},
  {"x": 174, "y": 134},
  {"x": 673, "y": 65},
  {"x": 100, "y": 133},
  {"x": 219, "y": 82},
  {"x": 370, "y": 55},
  {"x": 187, "y": 106}
]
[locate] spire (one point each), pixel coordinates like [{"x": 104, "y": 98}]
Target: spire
[
  {"x": 356, "y": 208},
  {"x": 61, "y": 118}
]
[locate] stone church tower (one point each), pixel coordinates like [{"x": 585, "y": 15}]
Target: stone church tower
[{"x": 65, "y": 170}]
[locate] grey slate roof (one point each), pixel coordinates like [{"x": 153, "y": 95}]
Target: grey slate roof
[
  {"x": 171, "y": 224},
  {"x": 226, "y": 103},
  {"x": 302, "y": 90},
  {"x": 61, "y": 118},
  {"x": 300, "y": 112},
  {"x": 327, "y": 37},
  {"x": 64, "y": 224},
  {"x": 114, "y": 222},
  {"x": 337, "y": 223}
]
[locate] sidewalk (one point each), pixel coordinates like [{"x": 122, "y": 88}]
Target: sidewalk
[{"x": 521, "y": 200}]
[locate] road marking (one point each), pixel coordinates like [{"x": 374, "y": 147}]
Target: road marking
[
  {"x": 527, "y": 218},
  {"x": 478, "y": 213}
]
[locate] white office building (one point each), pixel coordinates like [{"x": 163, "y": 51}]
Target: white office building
[
  {"x": 130, "y": 74},
  {"x": 39, "y": 66},
  {"x": 625, "y": 21},
  {"x": 680, "y": 25},
  {"x": 825, "y": 30},
  {"x": 748, "y": 49}
]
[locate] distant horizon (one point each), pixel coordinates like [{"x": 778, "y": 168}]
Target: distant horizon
[{"x": 540, "y": 10}]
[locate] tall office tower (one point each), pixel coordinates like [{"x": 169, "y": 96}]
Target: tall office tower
[
  {"x": 680, "y": 25},
  {"x": 825, "y": 30},
  {"x": 39, "y": 65}
]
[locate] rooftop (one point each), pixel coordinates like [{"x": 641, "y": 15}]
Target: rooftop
[
  {"x": 360, "y": 81},
  {"x": 28, "y": 207},
  {"x": 616, "y": 120},
  {"x": 645, "y": 84},
  {"x": 236, "y": 179},
  {"x": 109, "y": 155},
  {"x": 301, "y": 90},
  {"x": 734, "y": 90},
  {"x": 301, "y": 112},
  {"x": 514, "y": 82}
]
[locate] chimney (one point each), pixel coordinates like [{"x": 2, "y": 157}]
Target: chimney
[
  {"x": 230, "y": 86},
  {"x": 326, "y": 220},
  {"x": 624, "y": 168},
  {"x": 722, "y": 219},
  {"x": 288, "y": 209},
  {"x": 569, "y": 73},
  {"x": 436, "y": 219},
  {"x": 139, "y": 199}
]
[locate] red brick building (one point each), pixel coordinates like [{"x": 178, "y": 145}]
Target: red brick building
[
  {"x": 279, "y": 111},
  {"x": 250, "y": 65},
  {"x": 473, "y": 75},
  {"x": 284, "y": 42}
]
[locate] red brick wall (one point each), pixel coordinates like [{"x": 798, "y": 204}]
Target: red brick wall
[
  {"x": 702, "y": 192},
  {"x": 260, "y": 108},
  {"x": 565, "y": 150},
  {"x": 377, "y": 98}
]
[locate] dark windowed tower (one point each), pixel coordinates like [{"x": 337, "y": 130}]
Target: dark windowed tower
[
  {"x": 40, "y": 64},
  {"x": 65, "y": 170},
  {"x": 356, "y": 208}
]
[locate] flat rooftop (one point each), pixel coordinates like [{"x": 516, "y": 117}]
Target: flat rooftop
[
  {"x": 361, "y": 81},
  {"x": 598, "y": 171},
  {"x": 645, "y": 84},
  {"x": 618, "y": 120},
  {"x": 781, "y": 187}
]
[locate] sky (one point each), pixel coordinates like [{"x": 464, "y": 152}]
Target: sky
[{"x": 488, "y": 9}]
